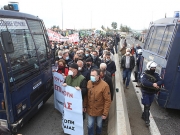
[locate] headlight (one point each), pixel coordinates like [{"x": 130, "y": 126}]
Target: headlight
[
  {"x": 3, "y": 123},
  {"x": 24, "y": 107},
  {"x": 19, "y": 111}
]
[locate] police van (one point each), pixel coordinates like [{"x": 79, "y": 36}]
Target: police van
[
  {"x": 162, "y": 45},
  {"x": 25, "y": 67}
]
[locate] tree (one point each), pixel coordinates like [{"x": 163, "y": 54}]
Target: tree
[
  {"x": 124, "y": 28},
  {"x": 114, "y": 25},
  {"x": 55, "y": 28}
]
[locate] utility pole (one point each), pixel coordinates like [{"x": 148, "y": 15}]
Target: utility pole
[
  {"x": 62, "y": 13},
  {"x": 91, "y": 19}
]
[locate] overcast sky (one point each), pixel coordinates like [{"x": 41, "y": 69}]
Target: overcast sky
[{"x": 77, "y": 14}]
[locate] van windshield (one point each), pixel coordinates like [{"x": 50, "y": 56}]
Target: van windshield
[{"x": 23, "y": 61}]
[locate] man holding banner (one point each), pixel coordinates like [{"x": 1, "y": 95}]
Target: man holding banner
[
  {"x": 75, "y": 79},
  {"x": 96, "y": 102}
]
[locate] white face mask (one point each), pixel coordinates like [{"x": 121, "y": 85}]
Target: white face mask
[
  {"x": 70, "y": 72},
  {"x": 79, "y": 68},
  {"x": 128, "y": 53},
  {"x": 60, "y": 57}
]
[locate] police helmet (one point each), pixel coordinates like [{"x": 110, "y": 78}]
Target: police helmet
[
  {"x": 151, "y": 64},
  {"x": 139, "y": 51}
]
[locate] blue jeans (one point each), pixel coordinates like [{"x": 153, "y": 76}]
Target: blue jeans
[
  {"x": 126, "y": 75},
  {"x": 91, "y": 121}
]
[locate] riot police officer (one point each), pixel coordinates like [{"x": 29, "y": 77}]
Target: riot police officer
[{"x": 150, "y": 85}]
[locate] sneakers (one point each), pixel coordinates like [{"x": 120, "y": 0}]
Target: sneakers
[{"x": 127, "y": 87}]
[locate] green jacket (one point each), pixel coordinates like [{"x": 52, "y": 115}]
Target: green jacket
[{"x": 76, "y": 81}]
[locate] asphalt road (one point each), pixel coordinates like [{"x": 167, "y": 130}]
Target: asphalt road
[
  {"x": 167, "y": 120},
  {"x": 48, "y": 122}
]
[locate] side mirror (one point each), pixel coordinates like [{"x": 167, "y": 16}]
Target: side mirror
[{"x": 7, "y": 41}]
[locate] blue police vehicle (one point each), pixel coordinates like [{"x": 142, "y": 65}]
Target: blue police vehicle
[
  {"x": 25, "y": 67},
  {"x": 162, "y": 45}
]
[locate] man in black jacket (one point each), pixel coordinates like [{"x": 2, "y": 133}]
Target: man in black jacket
[
  {"x": 108, "y": 80},
  {"x": 127, "y": 64},
  {"x": 95, "y": 58},
  {"x": 103, "y": 66},
  {"x": 84, "y": 72}
]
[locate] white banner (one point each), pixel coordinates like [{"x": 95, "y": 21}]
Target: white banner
[
  {"x": 68, "y": 101},
  {"x": 12, "y": 23},
  {"x": 54, "y": 36}
]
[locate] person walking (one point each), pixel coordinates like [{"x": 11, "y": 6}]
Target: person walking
[
  {"x": 127, "y": 64},
  {"x": 96, "y": 102},
  {"x": 150, "y": 84}
]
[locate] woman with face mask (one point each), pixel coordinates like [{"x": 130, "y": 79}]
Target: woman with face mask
[{"x": 62, "y": 69}]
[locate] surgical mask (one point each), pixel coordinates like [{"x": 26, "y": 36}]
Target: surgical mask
[
  {"x": 92, "y": 78},
  {"x": 128, "y": 53},
  {"x": 90, "y": 44},
  {"x": 107, "y": 60},
  {"x": 65, "y": 46},
  {"x": 94, "y": 57},
  {"x": 70, "y": 72},
  {"x": 60, "y": 57},
  {"x": 87, "y": 55},
  {"x": 79, "y": 68},
  {"x": 67, "y": 58}
]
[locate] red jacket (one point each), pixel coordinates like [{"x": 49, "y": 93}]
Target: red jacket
[{"x": 64, "y": 71}]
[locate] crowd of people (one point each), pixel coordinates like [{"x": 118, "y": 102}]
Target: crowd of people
[{"x": 89, "y": 66}]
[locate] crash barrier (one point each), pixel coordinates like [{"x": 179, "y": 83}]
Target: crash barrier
[{"x": 118, "y": 120}]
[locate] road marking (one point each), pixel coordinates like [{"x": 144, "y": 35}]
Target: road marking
[{"x": 153, "y": 127}]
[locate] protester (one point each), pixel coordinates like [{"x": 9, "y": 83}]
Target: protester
[
  {"x": 117, "y": 39},
  {"x": 62, "y": 69},
  {"x": 66, "y": 58},
  {"x": 103, "y": 66},
  {"x": 123, "y": 50},
  {"x": 133, "y": 50},
  {"x": 127, "y": 64},
  {"x": 96, "y": 102},
  {"x": 59, "y": 56},
  {"x": 84, "y": 72},
  {"x": 95, "y": 58},
  {"x": 76, "y": 80},
  {"x": 111, "y": 67},
  {"x": 108, "y": 80},
  {"x": 57, "y": 49},
  {"x": 150, "y": 84},
  {"x": 89, "y": 64}
]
